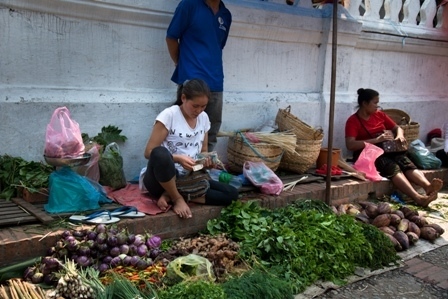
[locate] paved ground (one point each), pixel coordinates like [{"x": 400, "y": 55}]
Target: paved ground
[
  {"x": 415, "y": 280},
  {"x": 422, "y": 274}
]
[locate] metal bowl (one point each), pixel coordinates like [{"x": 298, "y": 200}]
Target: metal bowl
[{"x": 70, "y": 162}]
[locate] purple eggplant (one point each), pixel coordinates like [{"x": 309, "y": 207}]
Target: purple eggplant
[
  {"x": 154, "y": 242},
  {"x": 142, "y": 250},
  {"x": 116, "y": 261},
  {"x": 84, "y": 261}
]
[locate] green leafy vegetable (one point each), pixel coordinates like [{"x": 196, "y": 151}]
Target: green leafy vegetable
[
  {"x": 15, "y": 171},
  {"x": 258, "y": 284},
  {"x": 300, "y": 242},
  {"x": 107, "y": 135},
  {"x": 194, "y": 290}
]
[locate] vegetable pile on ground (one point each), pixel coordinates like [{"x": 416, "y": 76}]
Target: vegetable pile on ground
[
  {"x": 403, "y": 226},
  {"x": 247, "y": 252},
  {"x": 17, "y": 172}
]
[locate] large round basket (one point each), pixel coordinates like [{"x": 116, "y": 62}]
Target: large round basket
[
  {"x": 240, "y": 150},
  {"x": 306, "y": 154},
  {"x": 398, "y": 116},
  {"x": 411, "y": 129},
  {"x": 286, "y": 121}
]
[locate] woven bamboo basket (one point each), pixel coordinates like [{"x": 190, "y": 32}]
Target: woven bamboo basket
[
  {"x": 286, "y": 121},
  {"x": 411, "y": 129},
  {"x": 240, "y": 150},
  {"x": 307, "y": 152}
]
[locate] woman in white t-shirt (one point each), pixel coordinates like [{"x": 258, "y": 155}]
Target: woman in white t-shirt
[{"x": 178, "y": 136}]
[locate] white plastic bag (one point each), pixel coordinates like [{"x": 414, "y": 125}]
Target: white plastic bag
[{"x": 262, "y": 176}]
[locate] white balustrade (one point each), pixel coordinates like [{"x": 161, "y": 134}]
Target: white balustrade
[{"x": 395, "y": 12}]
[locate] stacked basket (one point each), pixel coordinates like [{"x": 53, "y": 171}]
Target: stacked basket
[
  {"x": 240, "y": 150},
  {"x": 411, "y": 129},
  {"x": 309, "y": 142}
]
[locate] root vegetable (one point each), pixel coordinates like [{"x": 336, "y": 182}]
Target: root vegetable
[
  {"x": 419, "y": 220},
  {"x": 383, "y": 208},
  {"x": 428, "y": 233},
  {"x": 381, "y": 220},
  {"x": 387, "y": 230},
  {"x": 394, "y": 241},
  {"x": 413, "y": 238},
  {"x": 371, "y": 211},
  {"x": 414, "y": 228},
  {"x": 437, "y": 227},
  {"x": 362, "y": 218},
  {"x": 403, "y": 225},
  {"x": 394, "y": 219},
  {"x": 402, "y": 238},
  {"x": 399, "y": 213}
]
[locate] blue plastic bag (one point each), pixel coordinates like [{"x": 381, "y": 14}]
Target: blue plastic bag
[
  {"x": 71, "y": 192},
  {"x": 422, "y": 157}
]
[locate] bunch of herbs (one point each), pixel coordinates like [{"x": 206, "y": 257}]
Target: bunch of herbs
[
  {"x": 107, "y": 135},
  {"x": 17, "y": 172}
]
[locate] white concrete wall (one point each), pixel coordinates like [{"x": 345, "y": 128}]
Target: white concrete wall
[{"x": 107, "y": 62}]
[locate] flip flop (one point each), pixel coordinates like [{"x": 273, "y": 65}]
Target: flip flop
[
  {"x": 127, "y": 212},
  {"x": 97, "y": 217}
]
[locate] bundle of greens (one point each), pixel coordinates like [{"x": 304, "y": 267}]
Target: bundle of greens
[
  {"x": 17, "y": 172},
  {"x": 107, "y": 136},
  {"x": 299, "y": 242},
  {"x": 258, "y": 284}
]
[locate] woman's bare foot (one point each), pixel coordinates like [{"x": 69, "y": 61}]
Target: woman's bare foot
[
  {"x": 181, "y": 208},
  {"x": 425, "y": 200},
  {"x": 163, "y": 202},
  {"x": 436, "y": 185}
]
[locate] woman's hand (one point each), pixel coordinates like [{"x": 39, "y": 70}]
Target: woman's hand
[
  {"x": 208, "y": 163},
  {"x": 387, "y": 135},
  {"x": 186, "y": 161}
]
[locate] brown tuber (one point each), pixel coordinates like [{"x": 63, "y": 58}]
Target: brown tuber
[
  {"x": 384, "y": 208},
  {"x": 437, "y": 227},
  {"x": 381, "y": 220},
  {"x": 414, "y": 228},
  {"x": 394, "y": 219},
  {"x": 403, "y": 225},
  {"x": 399, "y": 213},
  {"x": 395, "y": 242},
  {"x": 428, "y": 233},
  {"x": 419, "y": 220},
  {"x": 402, "y": 238},
  {"x": 413, "y": 238},
  {"x": 387, "y": 230}
]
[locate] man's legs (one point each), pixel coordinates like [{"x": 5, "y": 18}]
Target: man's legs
[{"x": 214, "y": 112}]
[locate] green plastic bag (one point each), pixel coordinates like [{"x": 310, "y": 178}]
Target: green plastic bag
[
  {"x": 422, "y": 157},
  {"x": 190, "y": 266},
  {"x": 111, "y": 167}
]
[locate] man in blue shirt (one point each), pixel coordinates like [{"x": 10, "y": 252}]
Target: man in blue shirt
[{"x": 195, "y": 38}]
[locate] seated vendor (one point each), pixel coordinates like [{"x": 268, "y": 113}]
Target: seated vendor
[
  {"x": 178, "y": 136},
  {"x": 368, "y": 125}
]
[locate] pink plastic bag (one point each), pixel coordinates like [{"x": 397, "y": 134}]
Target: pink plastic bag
[
  {"x": 63, "y": 137},
  {"x": 366, "y": 161},
  {"x": 262, "y": 176}
]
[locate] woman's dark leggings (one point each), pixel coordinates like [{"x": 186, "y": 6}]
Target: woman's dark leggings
[{"x": 161, "y": 168}]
